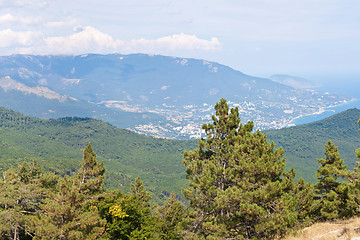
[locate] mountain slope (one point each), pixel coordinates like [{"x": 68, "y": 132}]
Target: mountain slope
[
  {"x": 57, "y": 145},
  {"x": 305, "y": 143},
  {"x": 181, "y": 90},
  {"x": 292, "y": 81},
  {"x": 40, "y": 101}
]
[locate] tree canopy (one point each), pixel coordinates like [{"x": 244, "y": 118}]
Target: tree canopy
[
  {"x": 238, "y": 185},
  {"x": 237, "y": 189}
]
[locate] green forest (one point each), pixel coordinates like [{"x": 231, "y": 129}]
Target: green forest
[
  {"x": 57, "y": 145},
  {"x": 235, "y": 184}
]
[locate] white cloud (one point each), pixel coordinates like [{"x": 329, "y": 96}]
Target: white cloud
[
  {"x": 177, "y": 41},
  {"x": 59, "y": 24},
  {"x": 89, "y": 39},
  {"x": 83, "y": 40},
  {"x": 165, "y": 87},
  {"x": 10, "y": 19},
  {"x": 24, "y": 3},
  {"x": 9, "y": 38}
]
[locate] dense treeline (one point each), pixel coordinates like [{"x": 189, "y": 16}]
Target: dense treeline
[
  {"x": 57, "y": 145},
  {"x": 36, "y": 205},
  {"x": 303, "y": 143},
  {"x": 238, "y": 189}
]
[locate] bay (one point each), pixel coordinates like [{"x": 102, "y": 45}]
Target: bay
[{"x": 327, "y": 113}]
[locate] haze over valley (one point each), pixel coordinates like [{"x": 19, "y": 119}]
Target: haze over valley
[{"x": 154, "y": 95}]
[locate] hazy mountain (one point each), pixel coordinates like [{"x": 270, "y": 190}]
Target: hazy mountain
[
  {"x": 40, "y": 101},
  {"x": 181, "y": 90},
  {"x": 295, "y": 82}
]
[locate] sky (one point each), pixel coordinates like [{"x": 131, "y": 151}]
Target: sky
[{"x": 307, "y": 38}]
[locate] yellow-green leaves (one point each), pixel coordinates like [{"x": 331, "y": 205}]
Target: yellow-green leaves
[{"x": 117, "y": 212}]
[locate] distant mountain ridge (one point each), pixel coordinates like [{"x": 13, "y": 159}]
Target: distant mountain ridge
[
  {"x": 156, "y": 95},
  {"x": 295, "y": 82}
]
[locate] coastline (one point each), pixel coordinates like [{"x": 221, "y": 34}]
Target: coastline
[{"x": 326, "y": 111}]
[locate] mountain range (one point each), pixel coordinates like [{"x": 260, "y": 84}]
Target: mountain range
[{"x": 155, "y": 95}]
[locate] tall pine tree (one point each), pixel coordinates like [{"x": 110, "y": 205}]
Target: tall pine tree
[
  {"x": 334, "y": 193},
  {"x": 70, "y": 210},
  {"x": 91, "y": 172},
  {"x": 20, "y": 193},
  {"x": 354, "y": 181},
  {"x": 238, "y": 187}
]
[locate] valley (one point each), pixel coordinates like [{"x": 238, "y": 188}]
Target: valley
[
  {"x": 57, "y": 145},
  {"x": 155, "y": 95}
]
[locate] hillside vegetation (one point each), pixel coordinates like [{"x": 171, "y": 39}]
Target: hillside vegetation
[
  {"x": 57, "y": 145},
  {"x": 303, "y": 144},
  {"x": 238, "y": 188},
  {"x": 155, "y": 95}
]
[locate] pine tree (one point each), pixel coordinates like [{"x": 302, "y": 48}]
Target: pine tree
[
  {"x": 354, "y": 181},
  {"x": 91, "y": 172},
  {"x": 20, "y": 193},
  {"x": 70, "y": 210},
  {"x": 67, "y": 215},
  {"x": 334, "y": 193},
  {"x": 170, "y": 217},
  {"x": 237, "y": 184}
]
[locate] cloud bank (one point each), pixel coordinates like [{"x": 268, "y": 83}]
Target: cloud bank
[
  {"x": 91, "y": 40},
  {"x": 11, "y": 19}
]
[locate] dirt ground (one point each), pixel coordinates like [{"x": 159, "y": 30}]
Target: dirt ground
[{"x": 340, "y": 230}]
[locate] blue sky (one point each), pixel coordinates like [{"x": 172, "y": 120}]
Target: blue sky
[{"x": 307, "y": 38}]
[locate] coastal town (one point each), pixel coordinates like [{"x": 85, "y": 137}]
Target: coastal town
[{"x": 186, "y": 122}]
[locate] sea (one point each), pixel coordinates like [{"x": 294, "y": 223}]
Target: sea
[{"x": 342, "y": 85}]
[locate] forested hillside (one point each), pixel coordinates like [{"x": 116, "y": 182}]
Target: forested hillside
[
  {"x": 238, "y": 187},
  {"x": 303, "y": 144},
  {"x": 151, "y": 94},
  {"x": 57, "y": 145}
]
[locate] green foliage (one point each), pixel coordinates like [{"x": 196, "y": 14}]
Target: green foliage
[
  {"x": 335, "y": 195},
  {"x": 91, "y": 173},
  {"x": 170, "y": 217},
  {"x": 57, "y": 145},
  {"x": 238, "y": 187},
  {"x": 129, "y": 216},
  {"x": 66, "y": 215},
  {"x": 68, "y": 212},
  {"x": 20, "y": 194},
  {"x": 304, "y": 143},
  {"x": 354, "y": 181}
]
